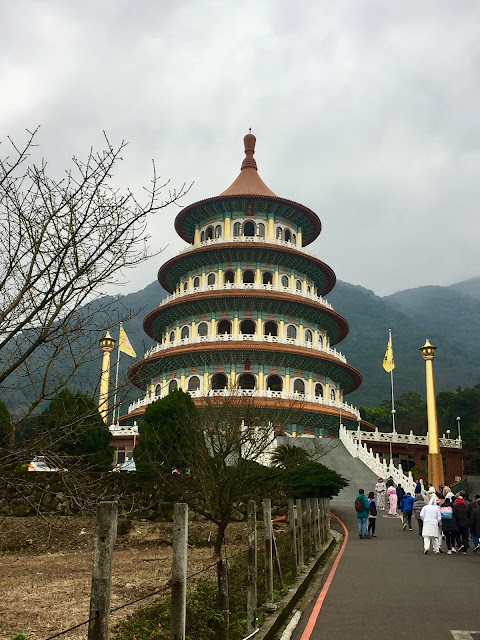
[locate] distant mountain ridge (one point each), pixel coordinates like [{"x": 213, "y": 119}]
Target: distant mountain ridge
[{"x": 448, "y": 316}]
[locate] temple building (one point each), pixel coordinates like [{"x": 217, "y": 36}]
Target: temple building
[{"x": 246, "y": 312}]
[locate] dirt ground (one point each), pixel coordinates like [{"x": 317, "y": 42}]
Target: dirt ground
[{"x": 45, "y": 569}]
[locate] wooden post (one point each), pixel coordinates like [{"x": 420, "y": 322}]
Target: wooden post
[
  {"x": 320, "y": 524},
  {"x": 316, "y": 537},
  {"x": 293, "y": 535},
  {"x": 301, "y": 556},
  {"x": 267, "y": 521},
  {"x": 252, "y": 567},
  {"x": 278, "y": 566},
  {"x": 105, "y": 536},
  {"x": 309, "y": 528},
  {"x": 179, "y": 571}
]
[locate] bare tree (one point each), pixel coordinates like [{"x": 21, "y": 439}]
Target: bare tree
[{"x": 63, "y": 242}]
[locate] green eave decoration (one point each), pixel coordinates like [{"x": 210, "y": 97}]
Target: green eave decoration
[
  {"x": 168, "y": 316},
  {"x": 216, "y": 210},
  {"x": 213, "y": 255},
  {"x": 173, "y": 359}
]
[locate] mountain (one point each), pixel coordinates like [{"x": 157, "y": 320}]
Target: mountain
[{"x": 448, "y": 316}]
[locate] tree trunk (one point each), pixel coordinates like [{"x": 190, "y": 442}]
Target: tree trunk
[{"x": 222, "y": 583}]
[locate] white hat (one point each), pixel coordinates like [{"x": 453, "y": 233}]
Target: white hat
[{"x": 431, "y": 490}]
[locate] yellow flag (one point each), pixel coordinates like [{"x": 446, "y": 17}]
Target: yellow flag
[
  {"x": 388, "y": 363},
  {"x": 124, "y": 344}
]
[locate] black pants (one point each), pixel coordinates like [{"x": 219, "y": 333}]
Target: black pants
[
  {"x": 407, "y": 518},
  {"x": 371, "y": 525},
  {"x": 420, "y": 526},
  {"x": 450, "y": 539},
  {"x": 462, "y": 538}
]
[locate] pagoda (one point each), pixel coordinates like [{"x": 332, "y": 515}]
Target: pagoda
[{"x": 246, "y": 312}]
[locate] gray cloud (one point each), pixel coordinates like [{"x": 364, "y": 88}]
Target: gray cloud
[{"x": 365, "y": 112}]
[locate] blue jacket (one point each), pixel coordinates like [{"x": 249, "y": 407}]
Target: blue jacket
[
  {"x": 366, "y": 504},
  {"x": 407, "y": 503}
]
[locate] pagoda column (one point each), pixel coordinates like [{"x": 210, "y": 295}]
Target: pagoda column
[
  {"x": 107, "y": 344},
  {"x": 435, "y": 460}
]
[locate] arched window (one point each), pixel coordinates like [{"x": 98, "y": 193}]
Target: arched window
[
  {"x": 172, "y": 386},
  {"x": 172, "y": 336},
  {"x": 237, "y": 229},
  {"x": 308, "y": 335},
  {"x": 196, "y": 282},
  {"x": 202, "y": 329},
  {"x": 332, "y": 394},
  {"x": 218, "y": 381},
  {"x": 248, "y": 277},
  {"x": 288, "y": 235},
  {"x": 270, "y": 328},
  {"x": 285, "y": 281},
  {"x": 309, "y": 289},
  {"x": 218, "y": 231},
  {"x": 247, "y": 327},
  {"x": 209, "y": 233},
  {"x": 158, "y": 390},
  {"x": 249, "y": 228},
  {"x": 185, "y": 333},
  {"x": 246, "y": 381},
  {"x": 261, "y": 229},
  {"x": 318, "y": 390},
  {"x": 279, "y": 233},
  {"x": 229, "y": 277},
  {"x": 274, "y": 383},
  {"x": 320, "y": 340},
  {"x": 185, "y": 286},
  {"x": 202, "y": 236},
  {"x": 292, "y": 331},
  {"x": 298, "y": 285},
  {"x": 211, "y": 278},
  {"x": 294, "y": 239},
  {"x": 267, "y": 278},
  {"x": 298, "y": 386},
  {"x": 194, "y": 383},
  {"x": 224, "y": 326}
]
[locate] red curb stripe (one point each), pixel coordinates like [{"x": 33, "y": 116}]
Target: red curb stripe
[{"x": 307, "y": 632}]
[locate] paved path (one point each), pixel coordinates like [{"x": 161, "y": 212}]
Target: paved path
[{"x": 385, "y": 588}]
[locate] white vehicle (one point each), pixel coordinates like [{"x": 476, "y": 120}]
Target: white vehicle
[
  {"x": 128, "y": 465},
  {"x": 39, "y": 463}
]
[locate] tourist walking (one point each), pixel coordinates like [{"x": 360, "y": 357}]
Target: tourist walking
[
  {"x": 417, "y": 507},
  {"x": 392, "y": 500},
  {"x": 475, "y": 526},
  {"x": 407, "y": 508},
  {"x": 430, "y": 514},
  {"x": 390, "y": 482},
  {"x": 449, "y": 525},
  {"x": 418, "y": 486},
  {"x": 372, "y": 514},
  {"x": 460, "y": 509},
  {"x": 362, "y": 507},
  {"x": 400, "y": 493},
  {"x": 380, "y": 490}
]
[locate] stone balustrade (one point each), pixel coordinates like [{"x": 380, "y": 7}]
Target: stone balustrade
[
  {"x": 250, "y": 239},
  {"x": 230, "y": 337},
  {"x": 124, "y": 430},
  {"x": 402, "y": 438},
  {"x": 255, "y": 393},
  {"x": 228, "y": 286}
]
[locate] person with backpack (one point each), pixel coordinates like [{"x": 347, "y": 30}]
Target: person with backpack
[
  {"x": 372, "y": 514},
  {"x": 449, "y": 525},
  {"x": 362, "y": 507},
  {"x": 417, "y": 508},
  {"x": 407, "y": 508}
]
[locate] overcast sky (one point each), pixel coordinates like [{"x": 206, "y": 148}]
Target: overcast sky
[{"x": 368, "y": 112}]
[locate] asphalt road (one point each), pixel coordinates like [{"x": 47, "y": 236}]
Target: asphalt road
[{"x": 386, "y": 588}]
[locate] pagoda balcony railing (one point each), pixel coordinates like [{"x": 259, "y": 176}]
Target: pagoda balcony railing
[
  {"x": 251, "y": 239},
  {"x": 401, "y": 438},
  {"x": 243, "y": 337},
  {"x": 255, "y": 393},
  {"x": 228, "y": 286}
]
